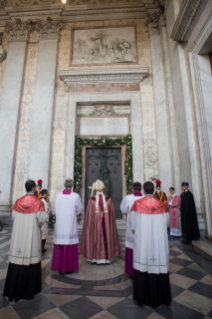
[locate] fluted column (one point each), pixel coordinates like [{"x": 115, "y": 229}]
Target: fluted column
[
  {"x": 161, "y": 117},
  {"x": 42, "y": 110},
  {"x": 17, "y": 33}
]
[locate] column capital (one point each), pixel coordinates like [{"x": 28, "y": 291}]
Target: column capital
[
  {"x": 152, "y": 22},
  {"x": 50, "y": 28},
  {"x": 3, "y": 55},
  {"x": 18, "y": 30}
]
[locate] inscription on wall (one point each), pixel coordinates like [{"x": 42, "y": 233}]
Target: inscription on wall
[{"x": 99, "y": 126}]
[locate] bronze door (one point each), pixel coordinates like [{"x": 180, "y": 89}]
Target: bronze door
[{"x": 105, "y": 164}]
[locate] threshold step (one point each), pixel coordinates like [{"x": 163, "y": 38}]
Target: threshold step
[{"x": 204, "y": 247}]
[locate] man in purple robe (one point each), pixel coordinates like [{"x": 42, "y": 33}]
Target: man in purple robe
[{"x": 125, "y": 207}]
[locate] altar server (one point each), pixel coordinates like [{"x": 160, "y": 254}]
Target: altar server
[
  {"x": 159, "y": 194},
  {"x": 149, "y": 221},
  {"x": 173, "y": 203},
  {"x": 67, "y": 205},
  {"x": 100, "y": 241},
  {"x": 125, "y": 207},
  {"x": 44, "y": 195},
  {"x": 189, "y": 220},
  {"x": 23, "y": 279}
]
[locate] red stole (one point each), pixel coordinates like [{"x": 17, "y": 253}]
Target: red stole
[
  {"x": 149, "y": 205},
  {"x": 28, "y": 204}
]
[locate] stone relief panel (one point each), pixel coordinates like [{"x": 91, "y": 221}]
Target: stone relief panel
[
  {"x": 21, "y": 163},
  {"x": 104, "y": 45}
]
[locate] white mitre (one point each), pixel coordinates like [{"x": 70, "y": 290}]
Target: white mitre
[{"x": 99, "y": 186}]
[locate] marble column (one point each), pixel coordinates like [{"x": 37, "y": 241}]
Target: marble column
[
  {"x": 161, "y": 115},
  {"x": 202, "y": 84},
  {"x": 185, "y": 115},
  {"x": 42, "y": 110},
  {"x": 10, "y": 102},
  {"x": 172, "y": 132}
]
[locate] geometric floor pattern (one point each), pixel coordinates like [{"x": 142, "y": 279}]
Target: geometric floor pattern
[{"x": 105, "y": 291}]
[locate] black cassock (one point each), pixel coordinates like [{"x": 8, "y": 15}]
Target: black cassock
[{"x": 189, "y": 215}]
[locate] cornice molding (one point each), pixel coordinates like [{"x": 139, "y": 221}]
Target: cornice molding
[
  {"x": 187, "y": 18},
  {"x": 104, "y": 76},
  {"x": 50, "y": 28},
  {"x": 18, "y": 30}
]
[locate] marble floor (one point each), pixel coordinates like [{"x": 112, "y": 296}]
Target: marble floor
[{"x": 104, "y": 291}]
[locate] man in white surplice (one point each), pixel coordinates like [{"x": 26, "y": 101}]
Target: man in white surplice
[
  {"x": 24, "y": 271},
  {"x": 149, "y": 220},
  {"x": 67, "y": 206},
  {"x": 125, "y": 207}
]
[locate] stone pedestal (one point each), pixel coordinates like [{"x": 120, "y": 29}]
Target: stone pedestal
[{"x": 9, "y": 109}]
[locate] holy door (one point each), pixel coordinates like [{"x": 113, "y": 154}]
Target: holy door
[{"x": 105, "y": 164}]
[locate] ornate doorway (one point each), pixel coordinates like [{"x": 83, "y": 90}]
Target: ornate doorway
[{"x": 105, "y": 164}]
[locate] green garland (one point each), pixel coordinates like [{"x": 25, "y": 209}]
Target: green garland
[{"x": 103, "y": 141}]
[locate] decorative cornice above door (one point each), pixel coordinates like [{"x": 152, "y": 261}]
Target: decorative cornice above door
[{"x": 131, "y": 75}]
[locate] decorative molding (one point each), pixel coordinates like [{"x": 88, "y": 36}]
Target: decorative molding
[
  {"x": 104, "y": 76},
  {"x": 152, "y": 22},
  {"x": 3, "y": 55},
  {"x": 203, "y": 35},
  {"x": 3, "y": 3},
  {"x": 50, "y": 28},
  {"x": 187, "y": 18},
  {"x": 18, "y": 30}
]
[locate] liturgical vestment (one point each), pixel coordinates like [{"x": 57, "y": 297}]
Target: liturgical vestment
[
  {"x": 100, "y": 241},
  {"x": 24, "y": 272},
  {"x": 125, "y": 207},
  {"x": 174, "y": 215},
  {"x": 149, "y": 220},
  {"x": 67, "y": 205}
]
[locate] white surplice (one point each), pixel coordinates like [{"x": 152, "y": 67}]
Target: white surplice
[
  {"x": 25, "y": 247},
  {"x": 125, "y": 207},
  {"x": 151, "y": 248},
  {"x": 66, "y": 208},
  {"x": 44, "y": 228}
]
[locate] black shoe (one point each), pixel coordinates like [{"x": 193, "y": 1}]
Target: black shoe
[
  {"x": 44, "y": 250},
  {"x": 60, "y": 272},
  {"x": 186, "y": 242}
]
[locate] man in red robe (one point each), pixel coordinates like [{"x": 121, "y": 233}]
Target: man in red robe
[
  {"x": 23, "y": 279},
  {"x": 100, "y": 243},
  {"x": 173, "y": 204}
]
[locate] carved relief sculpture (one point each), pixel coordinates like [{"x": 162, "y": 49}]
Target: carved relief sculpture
[
  {"x": 104, "y": 45},
  {"x": 50, "y": 28},
  {"x": 3, "y": 55},
  {"x": 18, "y": 30}
]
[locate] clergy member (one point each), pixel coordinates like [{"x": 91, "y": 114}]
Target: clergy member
[
  {"x": 173, "y": 204},
  {"x": 149, "y": 221},
  {"x": 188, "y": 215},
  {"x": 125, "y": 207},
  {"x": 23, "y": 279},
  {"x": 44, "y": 195},
  {"x": 67, "y": 205},
  {"x": 159, "y": 194},
  {"x": 100, "y": 243}
]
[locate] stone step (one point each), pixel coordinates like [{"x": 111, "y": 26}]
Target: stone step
[{"x": 204, "y": 247}]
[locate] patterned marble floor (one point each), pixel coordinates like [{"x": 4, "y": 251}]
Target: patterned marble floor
[{"x": 99, "y": 291}]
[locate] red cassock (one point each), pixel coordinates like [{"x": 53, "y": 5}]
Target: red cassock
[
  {"x": 174, "y": 211},
  {"x": 99, "y": 235}
]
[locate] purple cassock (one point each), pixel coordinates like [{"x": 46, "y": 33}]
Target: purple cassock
[
  {"x": 65, "y": 257},
  {"x": 125, "y": 207}
]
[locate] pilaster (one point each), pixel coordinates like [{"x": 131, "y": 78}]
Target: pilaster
[
  {"x": 11, "y": 95},
  {"x": 164, "y": 159},
  {"x": 42, "y": 110}
]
